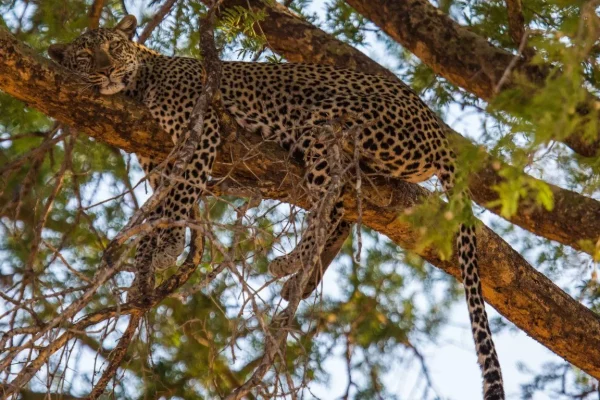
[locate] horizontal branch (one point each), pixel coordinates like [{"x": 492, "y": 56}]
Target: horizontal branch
[
  {"x": 514, "y": 288},
  {"x": 574, "y": 219},
  {"x": 459, "y": 55}
]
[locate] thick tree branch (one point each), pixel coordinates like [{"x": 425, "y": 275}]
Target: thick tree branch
[
  {"x": 452, "y": 51},
  {"x": 514, "y": 288},
  {"x": 516, "y": 21},
  {"x": 574, "y": 218},
  {"x": 95, "y": 13},
  {"x": 459, "y": 55},
  {"x": 300, "y": 41}
]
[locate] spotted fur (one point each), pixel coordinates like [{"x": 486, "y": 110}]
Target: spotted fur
[{"x": 398, "y": 136}]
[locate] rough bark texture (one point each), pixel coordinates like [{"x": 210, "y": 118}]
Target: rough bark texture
[
  {"x": 574, "y": 218},
  {"x": 516, "y": 21},
  {"x": 513, "y": 287},
  {"x": 463, "y": 57},
  {"x": 297, "y": 39}
]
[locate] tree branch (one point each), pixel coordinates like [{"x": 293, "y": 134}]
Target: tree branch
[
  {"x": 514, "y": 288},
  {"x": 118, "y": 354},
  {"x": 160, "y": 15},
  {"x": 95, "y": 13},
  {"x": 459, "y": 55},
  {"x": 516, "y": 21}
]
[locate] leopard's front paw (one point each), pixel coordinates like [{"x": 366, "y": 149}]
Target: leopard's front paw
[
  {"x": 285, "y": 265},
  {"x": 156, "y": 251},
  {"x": 170, "y": 245},
  {"x": 291, "y": 285},
  {"x": 143, "y": 284},
  {"x": 142, "y": 288}
]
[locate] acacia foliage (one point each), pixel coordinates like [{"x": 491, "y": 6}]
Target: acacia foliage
[{"x": 198, "y": 344}]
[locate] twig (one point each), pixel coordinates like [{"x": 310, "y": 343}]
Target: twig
[
  {"x": 160, "y": 15},
  {"x": 512, "y": 64},
  {"x": 117, "y": 356},
  {"x": 69, "y": 144},
  {"x": 359, "y": 195}
]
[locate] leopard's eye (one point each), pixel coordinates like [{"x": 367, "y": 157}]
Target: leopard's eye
[
  {"x": 83, "y": 56},
  {"x": 113, "y": 46}
]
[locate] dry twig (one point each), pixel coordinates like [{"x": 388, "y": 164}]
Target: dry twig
[{"x": 160, "y": 15}]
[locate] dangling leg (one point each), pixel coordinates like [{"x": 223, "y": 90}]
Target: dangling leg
[
  {"x": 159, "y": 249},
  {"x": 466, "y": 244},
  {"x": 300, "y": 257},
  {"x": 309, "y": 250},
  {"x": 335, "y": 241}
]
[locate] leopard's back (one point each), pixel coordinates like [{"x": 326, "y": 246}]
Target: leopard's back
[{"x": 400, "y": 135}]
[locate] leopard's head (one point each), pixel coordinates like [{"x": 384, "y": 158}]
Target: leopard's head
[{"x": 104, "y": 57}]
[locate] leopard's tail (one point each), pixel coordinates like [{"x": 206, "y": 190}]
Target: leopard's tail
[
  {"x": 493, "y": 388},
  {"x": 486, "y": 351}
]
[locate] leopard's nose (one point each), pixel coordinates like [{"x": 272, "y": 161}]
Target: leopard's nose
[
  {"x": 107, "y": 71},
  {"x": 103, "y": 63}
]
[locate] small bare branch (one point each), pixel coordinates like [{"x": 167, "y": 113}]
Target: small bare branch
[
  {"x": 117, "y": 356},
  {"x": 158, "y": 18}
]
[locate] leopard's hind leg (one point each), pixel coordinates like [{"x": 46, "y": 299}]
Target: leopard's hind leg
[
  {"x": 334, "y": 243},
  {"x": 326, "y": 232}
]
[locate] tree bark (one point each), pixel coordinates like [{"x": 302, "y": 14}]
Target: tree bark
[
  {"x": 513, "y": 287},
  {"x": 574, "y": 218},
  {"x": 459, "y": 55},
  {"x": 95, "y": 13},
  {"x": 516, "y": 21}
]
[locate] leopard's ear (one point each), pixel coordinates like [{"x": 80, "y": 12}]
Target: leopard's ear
[
  {"x": 57, "y": 52},
  {"x": 127, "y": 26}
]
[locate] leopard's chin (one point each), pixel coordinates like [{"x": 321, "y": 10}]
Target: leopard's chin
[{"x": 112, "y": 88}]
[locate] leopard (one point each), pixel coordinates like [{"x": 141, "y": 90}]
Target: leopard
[{"x": 398, "y": 135}]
